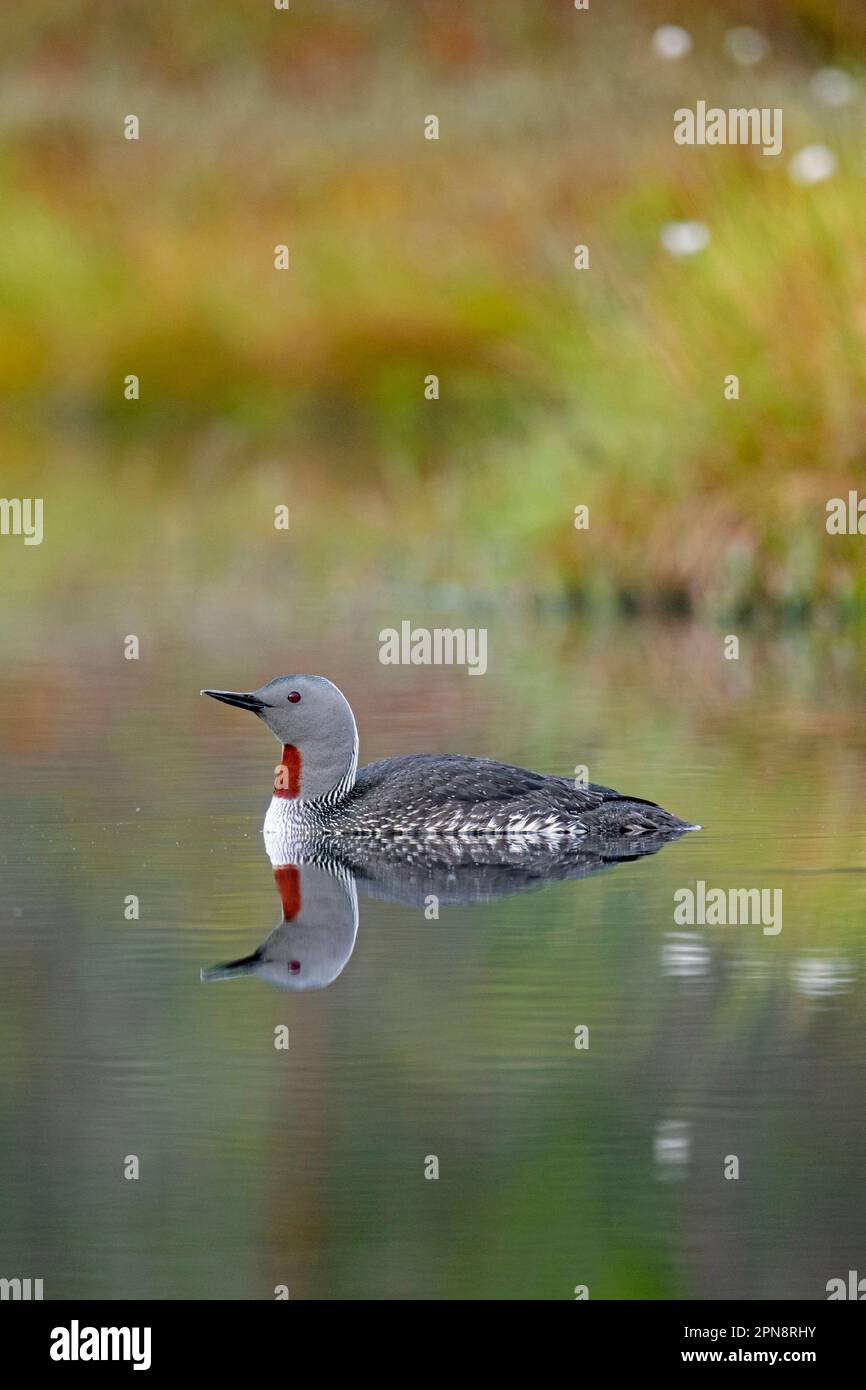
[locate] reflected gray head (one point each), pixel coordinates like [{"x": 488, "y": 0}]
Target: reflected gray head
[
  {"x": 310, "y": 714},
  {"x": 310, "y": 949}
]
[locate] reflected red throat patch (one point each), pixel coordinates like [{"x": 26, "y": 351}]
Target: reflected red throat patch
[
  {"x": 288, "y": 773},
  {"x": 288, "y": 880}
]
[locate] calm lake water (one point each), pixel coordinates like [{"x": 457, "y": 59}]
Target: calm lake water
[{"x": 454, "y": 1038}]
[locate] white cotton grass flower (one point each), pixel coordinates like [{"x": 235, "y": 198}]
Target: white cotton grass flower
[
  {"x": 684, "y": 238},
  {"x": 685, "y": 956},
  {"x": 672, "y": 1148},
  {"x": 821, "y": 978},
  {"x": 671, "y": 42},
  {"x": 746, "y": 45},
  {"x": 812, "y": 164},
  {"x": 833, "y": 86}
]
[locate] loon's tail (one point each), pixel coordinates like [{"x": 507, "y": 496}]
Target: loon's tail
[{"x": 635, "y": 818}]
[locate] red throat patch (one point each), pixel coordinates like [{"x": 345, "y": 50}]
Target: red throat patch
[
  {"x": 288, "y": 880},
  {"x": 287, "y": 782}
]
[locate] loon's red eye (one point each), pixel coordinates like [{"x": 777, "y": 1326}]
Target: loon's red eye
[{"x": 294, "y": 696}]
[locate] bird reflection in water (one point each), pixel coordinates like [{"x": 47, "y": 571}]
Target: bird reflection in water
[{"x": 318, "y": 881}]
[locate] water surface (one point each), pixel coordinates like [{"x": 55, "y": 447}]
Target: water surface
[{"x": 451, "y": 1038}]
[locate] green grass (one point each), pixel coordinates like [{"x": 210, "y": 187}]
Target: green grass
[{"x": 410, "y": 257}]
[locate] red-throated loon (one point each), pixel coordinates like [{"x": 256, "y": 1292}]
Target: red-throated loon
[{"x": 319, "y": 787}]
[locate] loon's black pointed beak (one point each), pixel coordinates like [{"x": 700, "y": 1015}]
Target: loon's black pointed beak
[
  {"x": 245, "y": 966},
  {"x": 234, "y": 697}
]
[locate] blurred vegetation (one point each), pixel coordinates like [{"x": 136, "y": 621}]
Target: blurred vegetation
[{"x": 411, "y": 257}]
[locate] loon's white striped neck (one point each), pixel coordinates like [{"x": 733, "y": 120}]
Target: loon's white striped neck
[{"x": 317, "y": 776}]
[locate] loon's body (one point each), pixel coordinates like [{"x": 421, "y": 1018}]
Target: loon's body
[
  {"x": 433, "y": 794},
  {"x": 319, "y": 789}
]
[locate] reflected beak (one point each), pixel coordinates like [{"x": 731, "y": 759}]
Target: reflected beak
[
  {"x": 245, "y": 966},
  {"x": 234, "y": 697}
]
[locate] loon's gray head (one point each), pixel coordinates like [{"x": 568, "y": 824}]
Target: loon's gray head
[{"x": 310, "y": 715}]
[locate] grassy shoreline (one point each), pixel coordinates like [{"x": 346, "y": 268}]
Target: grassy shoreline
[{"x": 558, "y": 387}]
